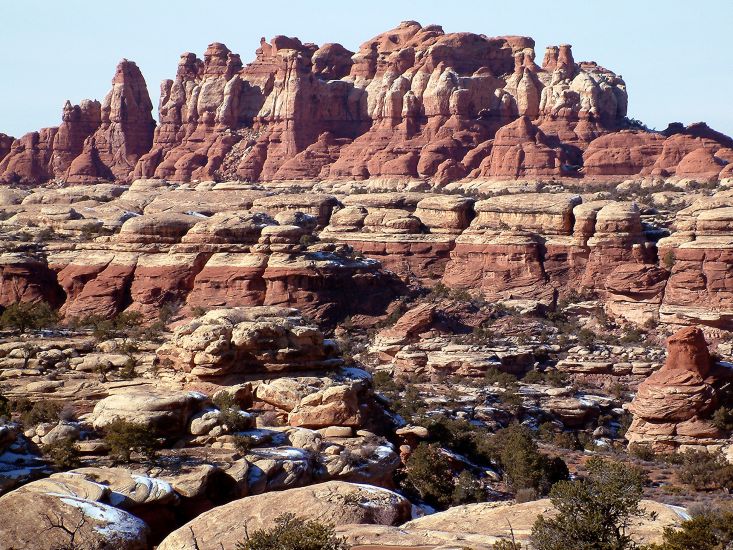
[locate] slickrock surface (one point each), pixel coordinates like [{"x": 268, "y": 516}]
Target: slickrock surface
[
  {"x": 672, "y": 407},
  {"x": 333, "y": 502},
  {"x": 478, "y": 526}
]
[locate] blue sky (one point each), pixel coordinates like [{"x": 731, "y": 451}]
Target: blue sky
[{"x": 676, "y": 56}]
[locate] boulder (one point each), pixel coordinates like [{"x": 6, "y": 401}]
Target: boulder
[{"x": 332, "y": 502}]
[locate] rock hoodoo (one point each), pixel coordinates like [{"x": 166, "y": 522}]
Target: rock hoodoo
[{"x": 673, "y": 406}]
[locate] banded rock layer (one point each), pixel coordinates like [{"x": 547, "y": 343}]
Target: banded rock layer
[
  {"x": 411, "y": 103},
  {"x": 331, "y": 256}
]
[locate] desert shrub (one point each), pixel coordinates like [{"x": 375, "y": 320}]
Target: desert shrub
[
  {"x": 668, "y": 260},
  {"x": 409, "y": 404},
  {"x": 712, "y": 530},
  {"x": 35, "y": 412},
  {"x": 24, "y": 316},
  {"x": 524, "y": 467},
  {"x": 503, "y": 379},
  {"x": 593, "y": 512},
  {"x": 552, "y": 377},
  {"x": 642, "y": 451},
  {"x": 567, "y": 440},
  {"x": 125, "y": 325},
  {"x": 506, "y": 544},
  {"x": 243, "y": 443},
  {"x": 230, "y": 414},
  {"x": 429, "y": 475},
  {"x": 468, "y": 489},
  {"x": 198, "y": 311},
  {"x": 63, "y": 453},
  {"x": 533, "y": 377},
  {"x": 384, "y": 382},
  {"x": 632, "y": 336},
  {"x": 124, "y": 438},
  {"x": 723, "y": 419},
  {"x": 587, "y": 337},
  {"x": 458, "y": 435},
  {"x": 512, "y": 400},
  {"x": 167, "y": 311},
  {"x": 703, "y": 470},
  {"x": 293, "y": 533}
]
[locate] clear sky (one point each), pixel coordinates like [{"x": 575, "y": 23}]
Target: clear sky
[{"x": 675, "y": 55}]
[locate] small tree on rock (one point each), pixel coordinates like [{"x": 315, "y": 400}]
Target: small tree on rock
[
  {"x": 593, "y": 513},
  {"x": 293, "y": 533}
]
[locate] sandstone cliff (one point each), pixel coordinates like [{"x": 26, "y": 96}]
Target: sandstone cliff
[{"x": 413, "y": 103}]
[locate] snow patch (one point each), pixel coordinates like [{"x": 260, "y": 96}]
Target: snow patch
[{"x": 115, "y": 523}]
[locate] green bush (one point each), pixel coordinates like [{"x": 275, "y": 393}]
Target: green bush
[
  {"x": 503, "y": 379},
  {"x": 24, "y": 316},
  {"x": 125, "y": 325},
  {"x": 429, "y": 475},
  {"x": 594, "y": 512},
  {"x": 36, "y": 412},
  {"x": 552, "y": 377},
  {"x": 723, "y": 419},
  {"x": 293, "y": 533},
  {"x": 507, "y": 545},
  {"x": 468, "y": 489},
  {"x": 642, "y": 451},
  {"x": 63, "y": 453},
  {"x": 703, "y": 470},
  {"x": 230, "y": 413},
  {"x": 124, "y": 438},
  {"x": 460, "y": 436},
  {"x": 709, "y": 531},
  {"x": 524, "y": 467}
]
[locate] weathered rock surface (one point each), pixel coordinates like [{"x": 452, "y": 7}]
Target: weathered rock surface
[
  {"x": 29, "y": 516},
  {"x": 249, "y": 340},
  {"x": 95, "y": 142},
  {"x": 672, "y": 407},
  {"x": 479, "y": 526},
  {"x": 162, "y": 414},
  {"x": 334, "y": 502}
]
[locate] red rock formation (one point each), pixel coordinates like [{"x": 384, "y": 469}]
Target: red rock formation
[
  {"x": 125, "y": 132},
  {"x": 94, "y": 141},
  {"x": 29, "y": 158},
  {"x": 413, "y": 102},
  {"x": 25, "y": 278},
  {"x": 672, "y": 406},
  {"x": 6, "y": 143}
]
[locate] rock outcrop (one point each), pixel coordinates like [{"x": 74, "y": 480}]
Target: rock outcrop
[
  {"x": 334, "y": 502},
  {"x": 480, "y": 526},
  {"x": 413, "y": 103},
  {"x": 249, "y": 340},
  {"x": 95, "y": 142},
  {"x": 672, "y": 407}
]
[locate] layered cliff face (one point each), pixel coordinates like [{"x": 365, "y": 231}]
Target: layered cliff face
[
  {"x": 113, "y": 248},
  {"x": 95, "y": 142},
  {"x": 411, "y": 103}
]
